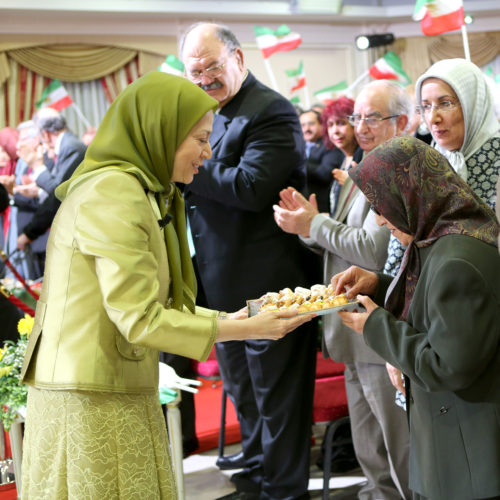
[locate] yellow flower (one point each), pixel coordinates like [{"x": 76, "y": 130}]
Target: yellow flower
[
  {"x": 25, "y": 325},
  {"x": 5, "y": 370},
  {"x": 2, "y": 352}
]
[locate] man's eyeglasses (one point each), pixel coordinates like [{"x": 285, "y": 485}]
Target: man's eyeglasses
[
  {"x": 370, "y": 121},
  {"x": 443, "y": 106},
  {"x": 213, "y": 72}
]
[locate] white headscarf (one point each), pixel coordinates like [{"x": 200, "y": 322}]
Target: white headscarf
[{"x": 477, "y": 103}]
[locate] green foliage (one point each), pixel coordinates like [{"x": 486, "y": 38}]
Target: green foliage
[{"x": 13, "y": 394}]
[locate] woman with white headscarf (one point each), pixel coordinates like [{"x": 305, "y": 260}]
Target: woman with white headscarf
[{"x": 458, "y": 107}]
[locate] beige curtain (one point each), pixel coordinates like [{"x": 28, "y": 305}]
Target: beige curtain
[
  {"x": 72, "y": 63},
  {"x": 418, "y": 53}
]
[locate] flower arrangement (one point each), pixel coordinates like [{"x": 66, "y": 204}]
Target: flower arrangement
[{"x": 13, "y": 395}]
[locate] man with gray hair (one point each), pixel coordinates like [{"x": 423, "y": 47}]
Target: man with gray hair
[
  {"x": 380, "y": 432},
  {"x": 257, "y": 150},
  {"x": 69, "y": 152}
]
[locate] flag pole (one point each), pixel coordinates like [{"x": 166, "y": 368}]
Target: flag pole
[
  {"x": 357, "y": 81},
  {"x": 80, "y": 115},
  {"x": 465, "y": 42},
  {"x": 306, "y": 97},
  {"x": 270, "y": 73}
]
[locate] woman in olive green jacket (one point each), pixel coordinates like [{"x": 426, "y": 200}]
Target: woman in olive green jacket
[
  {"x": 440, "y": 324},
  {"x": 118, "y": 288}
]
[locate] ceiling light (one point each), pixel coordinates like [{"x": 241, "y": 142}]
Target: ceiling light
[{"x": 364, "y": 42}]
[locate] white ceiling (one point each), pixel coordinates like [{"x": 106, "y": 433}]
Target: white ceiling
[{"x": 324, "y": 11}]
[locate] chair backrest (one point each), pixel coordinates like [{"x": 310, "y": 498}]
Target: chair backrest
[{"x": 327, "y": 367}]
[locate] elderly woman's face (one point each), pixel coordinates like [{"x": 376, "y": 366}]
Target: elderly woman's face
[
  {"x": 404, "y": 238},
  {"x": 443, "y": 114}
]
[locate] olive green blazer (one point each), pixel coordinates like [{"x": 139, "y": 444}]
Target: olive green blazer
[{"x": 103, "y": 314}]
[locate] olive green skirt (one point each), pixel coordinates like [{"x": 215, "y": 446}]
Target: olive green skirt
[{"x": 81, "y": 445}]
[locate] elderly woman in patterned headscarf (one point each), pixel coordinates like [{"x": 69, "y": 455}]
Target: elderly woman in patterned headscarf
[
  {"x": 119, "y": 287},
  {"x": 438, "y": 320}
]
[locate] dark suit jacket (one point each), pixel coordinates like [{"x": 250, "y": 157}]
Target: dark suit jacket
[
  {"x": 70, "y": 155},
  {"x": 258, "y": 149},
  {"x": 4, "y": 198},
  {"x": 46, "y": 211},
  {"x": 320, "y": 163}
]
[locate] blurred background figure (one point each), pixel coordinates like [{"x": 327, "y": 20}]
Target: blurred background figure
[
  {"x": 88, "y": 135},
  {"x": 321, "y": 160},
  {"x": 8, "y": 159}
]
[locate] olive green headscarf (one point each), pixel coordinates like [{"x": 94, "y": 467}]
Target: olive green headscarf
[{"x": 140, "y": 134}]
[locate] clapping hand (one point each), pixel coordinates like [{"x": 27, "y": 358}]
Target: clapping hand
[{"x": 294, "y": 212}]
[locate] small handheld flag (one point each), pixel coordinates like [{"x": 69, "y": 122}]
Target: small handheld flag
[
  {"x": 332, "y": 92},
  {"x": 172, "y": 65},
  {"x": 439, "y": 16},
  {"x": 55, "y": 96},
  {"x": 297, "y": 78},
  {"x": 389, "y": 68},
  {"x": 281, "y": 40}
]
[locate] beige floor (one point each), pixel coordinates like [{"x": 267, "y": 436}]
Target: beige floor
[{"x": 204, "y": 481}]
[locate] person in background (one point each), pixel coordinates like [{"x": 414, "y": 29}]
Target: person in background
[
  {"x": 352, "y": 236},
  {"x": 89, "y": 135},
  {"x": 119, "y": 287},
  {"x": 456, "y": 103},
  {"x": 382, "y": 111},
  {"x": 8, "y": 160},
  {"x": 349, "y": 236},
  {"x": 258, "y": 150},
  {"x": 322, "y": 158},
  {"x": 69, "y": 152},
  {"x": 439, "y": 320},
  {"x": 28, "y": 262}
]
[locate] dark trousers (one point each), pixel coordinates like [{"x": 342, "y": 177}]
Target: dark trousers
[{"x": 271, "y": 384}]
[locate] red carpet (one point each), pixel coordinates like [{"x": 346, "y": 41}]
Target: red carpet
[{"x": 208, "y": 404}]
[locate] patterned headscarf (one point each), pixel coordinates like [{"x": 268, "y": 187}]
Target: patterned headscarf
[
  {"x": 476, "y": 100},
  {"x": 140, "y": 135},
  {"x": 413, "y": 186}
]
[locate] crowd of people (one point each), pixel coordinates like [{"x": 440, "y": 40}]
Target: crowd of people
[{"x": 181, "y": 209}]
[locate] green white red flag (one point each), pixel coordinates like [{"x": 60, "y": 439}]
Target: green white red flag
[
  {"x": 172, "y": 65},
  {"x": 54, "y": 96},
  {"x": 281, "y": 40},
  {"x": 389, "y": 68},
  {"x": 439, "y": 16},
  {"x": 332, "y": 92},
  {"x": 297, "y": 78}
]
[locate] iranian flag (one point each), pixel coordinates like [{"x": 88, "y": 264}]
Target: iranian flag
[
  {"x": 439, "y": 16},
  {"x": 389, "y": 68},
  {"x": 54, "y": 96},
  {"x": 172, "y": 65},
  {"x": 297, "y": 78},
  {"x": 330, "y": 93},
  {"x": 281, "y": 40}
]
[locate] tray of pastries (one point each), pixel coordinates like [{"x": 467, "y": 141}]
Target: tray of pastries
[{"x": 320, "y": 299}]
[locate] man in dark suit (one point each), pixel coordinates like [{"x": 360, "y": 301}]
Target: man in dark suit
[
  {"x": 69, "y": 151},
  {"x": 320, "y": 160},
  {"x": 258, "y": 149}
]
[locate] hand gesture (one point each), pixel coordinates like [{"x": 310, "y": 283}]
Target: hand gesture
[
  {"x": 354, "y": 281},
  {"x": 294, "y": 212},
  {"x": 354, "y": 320},
  {"x": 340, "y": 175},
  {"x": 396, "y": 378}
]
